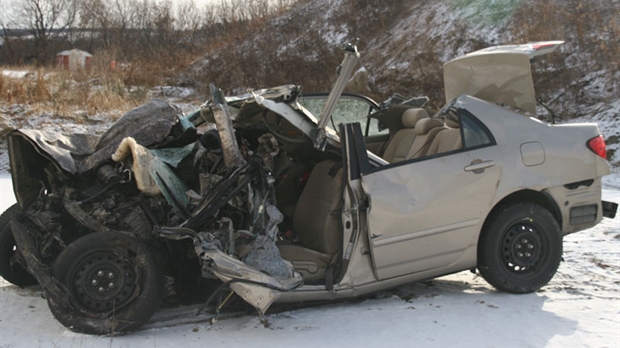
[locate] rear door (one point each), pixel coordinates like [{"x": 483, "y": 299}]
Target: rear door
[{"x": 424, "y": 214}]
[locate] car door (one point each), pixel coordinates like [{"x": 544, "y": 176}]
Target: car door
[{"x": 425, "y": 213}]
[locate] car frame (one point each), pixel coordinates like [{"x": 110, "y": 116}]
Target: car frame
[{"x": 482, "y": 184}]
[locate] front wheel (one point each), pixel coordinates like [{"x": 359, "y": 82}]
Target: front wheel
[
  {"x": 113, "y": 281},
  {"x": 520, "y": 248},
  {"x": 10, "y": 267}
]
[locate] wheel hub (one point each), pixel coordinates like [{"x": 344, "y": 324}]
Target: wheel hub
[
  {"x": 104, "y": 281},
  {"x": 522, "y": 248}
]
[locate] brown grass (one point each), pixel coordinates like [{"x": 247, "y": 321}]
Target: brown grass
[
  {"x": 94, "y": 89},
  {"x": 24, "y": 90}
]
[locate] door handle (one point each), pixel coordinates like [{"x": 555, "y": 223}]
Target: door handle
[{"x": 478, "y": 166}]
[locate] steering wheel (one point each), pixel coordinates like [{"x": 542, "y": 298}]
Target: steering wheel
[{"x": 282, "y": 129}]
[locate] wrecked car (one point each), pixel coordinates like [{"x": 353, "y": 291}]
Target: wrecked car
[{"x": 276, "y": 205}]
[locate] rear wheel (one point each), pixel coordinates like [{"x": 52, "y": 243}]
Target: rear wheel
[
  {"x": 113, "y": 281},
  {"x": 520, "y": 248},
  {"x": 10, "y": 267}
]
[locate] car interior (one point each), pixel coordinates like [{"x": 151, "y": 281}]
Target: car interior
[
  {"x": 311, "y": 198},
  {"x": 422, "y": 136},
  {"x": 316, "y": 224}
]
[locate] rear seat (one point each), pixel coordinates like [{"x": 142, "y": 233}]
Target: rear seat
[
  {"x": 426, "y": 130},
  {"x": 399, "y": 146},
  {"x": 447, "y": 140}
]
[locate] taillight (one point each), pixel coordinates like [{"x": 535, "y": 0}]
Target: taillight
[{"x": 597, "y": 145}]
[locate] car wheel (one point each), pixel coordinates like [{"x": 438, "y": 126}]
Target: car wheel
[
  {"x": 520, "y": 248},
  {"x": 10, "y": 269},
  {"x": 113, "y": 281}
]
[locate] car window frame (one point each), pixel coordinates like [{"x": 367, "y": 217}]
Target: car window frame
[
  {"x": 466, "y": 114},
  {"x": 365, "y": 120},
  {"x": 461, "y": 112}
]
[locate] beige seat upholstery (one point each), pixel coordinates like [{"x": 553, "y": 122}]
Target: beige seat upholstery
[
  {"x": 447, "y": 140},
  {"x": 316, "y": 222},
  {"x": 426, "y": 129},
  {"x": 399, "y": 145}
]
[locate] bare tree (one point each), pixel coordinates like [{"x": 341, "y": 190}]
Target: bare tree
[
  {"x": 188, "y": 23},
  {"x": 45, "y": 20},
  {"x": 7, "y": 46},
  {"x": 97, "y": 16}
]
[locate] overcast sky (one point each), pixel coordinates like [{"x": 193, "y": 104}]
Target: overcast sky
[
  {"x": 6, "y": 5},
  {"x": 204, "y": 1}
]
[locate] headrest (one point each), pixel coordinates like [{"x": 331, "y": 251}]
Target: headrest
[
  {"x": 411, "y": 117},
  {"x": 452, "y": 123},
  {"x": 426, "y": 124}
]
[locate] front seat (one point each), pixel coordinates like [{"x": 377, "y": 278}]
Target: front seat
[{"x": 316, "y": 222}]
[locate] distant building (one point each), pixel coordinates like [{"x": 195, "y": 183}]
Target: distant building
[{"x": 73, "y": 59}]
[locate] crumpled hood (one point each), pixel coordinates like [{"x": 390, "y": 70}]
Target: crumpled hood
[{"x": 148, "y": 124}]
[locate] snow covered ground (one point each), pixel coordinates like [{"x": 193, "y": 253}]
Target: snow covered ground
[
  {"x": 15, "y": 74},
  {"x": 580, "y": 307}
]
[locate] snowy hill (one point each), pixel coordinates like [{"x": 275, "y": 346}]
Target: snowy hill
[{"x": 404, "y": 44}]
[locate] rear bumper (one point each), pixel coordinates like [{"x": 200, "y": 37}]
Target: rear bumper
[
  {"x": 609, "y": 209},
  {"x": 580, "y": 204}
]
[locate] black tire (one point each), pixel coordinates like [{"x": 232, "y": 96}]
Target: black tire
[
  {"x": 520, "y": 248},
  {"x": 11, "y": 270},
  {"x": 114, "y": 283}
]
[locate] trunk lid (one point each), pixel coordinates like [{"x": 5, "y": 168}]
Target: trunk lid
[{"x": 499, "y": 74}]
